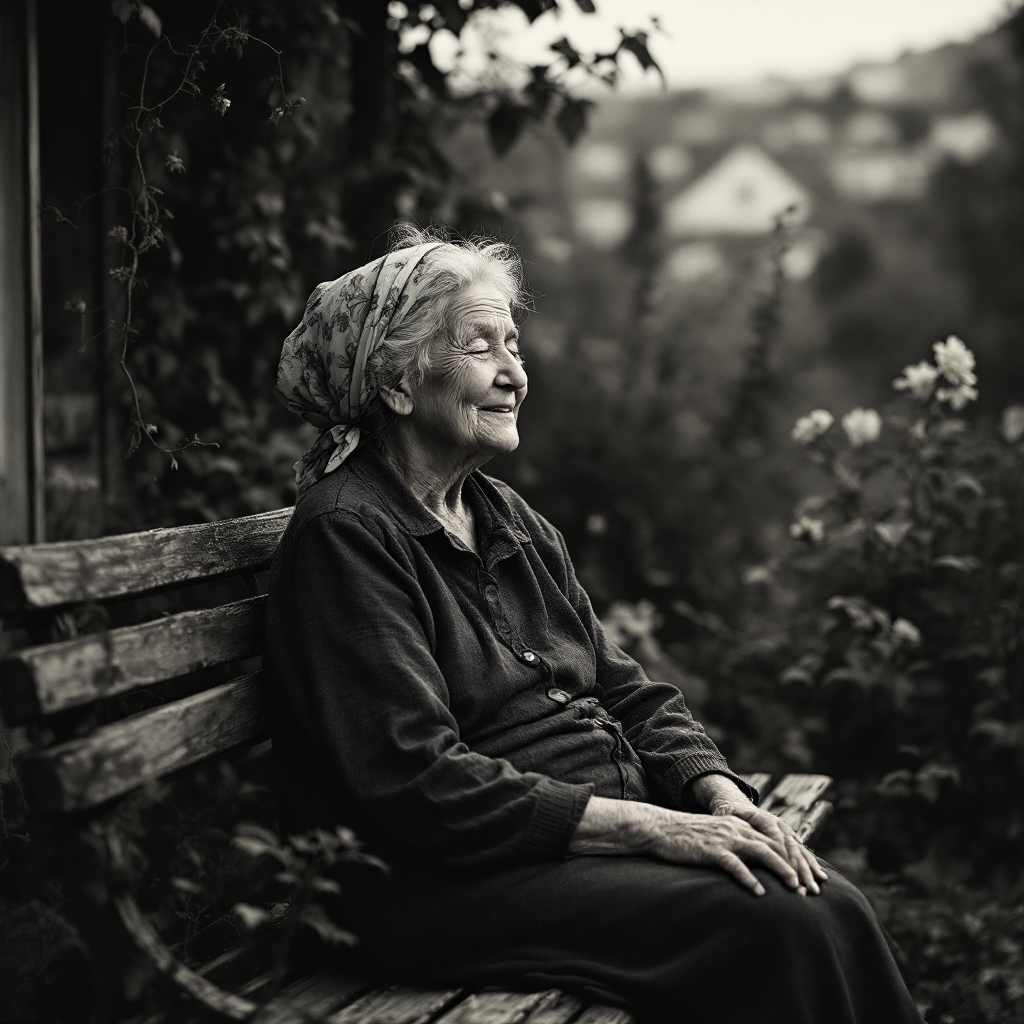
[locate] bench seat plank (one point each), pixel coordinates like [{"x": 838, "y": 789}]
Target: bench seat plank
[
  {"x": 48, "y": 575},
  {"x": 558, "y": 1010},
  {"x": 313, "y": 997},
  {"x": 53, "y": 677},
  {"x": 496, "y": 1007},
  {"x": 118, "y": 758},
  {"x": 397, "y": 1004},
  {"x": 759, "y": 780},
  {"x": 813, "y": 821},
  {"x": 795, "y": 796},
  {"x": 605, "y": 1015}
]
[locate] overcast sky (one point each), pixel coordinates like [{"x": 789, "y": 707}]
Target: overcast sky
[{"x": 708, "y": 42}]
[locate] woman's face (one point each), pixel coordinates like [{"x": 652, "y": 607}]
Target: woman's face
[{"x": 469, "y": 399}]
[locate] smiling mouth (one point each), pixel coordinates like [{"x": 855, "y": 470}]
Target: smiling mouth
[{"x": 498, "y": 408}]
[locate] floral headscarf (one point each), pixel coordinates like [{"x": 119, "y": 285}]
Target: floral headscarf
[{"x": 328, "y": 371}]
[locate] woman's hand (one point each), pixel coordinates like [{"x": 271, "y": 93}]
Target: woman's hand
[
  {"x": 726, "y": 841},
  {"x": 723, "y": 798}
]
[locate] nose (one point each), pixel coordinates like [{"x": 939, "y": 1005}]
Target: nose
[{"x": 512, "y": 375}]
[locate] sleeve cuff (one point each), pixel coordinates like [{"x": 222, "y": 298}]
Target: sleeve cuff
[
  {"x": 683, "y": 772},
  {"x": 557, "y": 812}
]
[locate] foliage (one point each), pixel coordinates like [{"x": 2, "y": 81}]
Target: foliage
[
  {"x": 917, "y": 660},
  {"x": 962, "y": 947},
  {"x": 875, "y": 634},
  {"x": 881, "y": 642},
  {"x": 303, "y": 861},
  {"x": 237, "y": 204}
]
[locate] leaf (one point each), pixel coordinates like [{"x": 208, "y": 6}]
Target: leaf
[
  {"x": 327, "y": 885},
  {"x": 122, "y": 10},
  {"x": 636, "y": 44},
  {"x": 967, "y": 563},
  {"x": 966, "y": 482},
  {"x": 930, "y": 778},
  {"x": 304, "y": 844},
  {"x": 586, "y": 6},
  {"x": 505, "y": 125},
  {"x": 316, "y": 917},
  {"x": 572, "y": 119},
  {"x": 848, "y": 675},
  {"x": 151, "y": 20},
  {"x": 796, "y": 674},
  {"x": 133, "y": 442},
  {"x": 567, "y": 50},
  {"x": 252, "y": 917},
  {"x": 533, "y": 9},
  {"x": 856, "y": 608},
  {"x": 893, "y": 533},
  {"x": 251, "y": 830},
  {"x": 186, "y": 885},
  {"x": 257, "y": 848},
  {"x": 897, "y": 784}
]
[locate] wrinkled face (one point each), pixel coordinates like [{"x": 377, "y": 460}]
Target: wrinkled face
[{"x": 469, "y": 399}]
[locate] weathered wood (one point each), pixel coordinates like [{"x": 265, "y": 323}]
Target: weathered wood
[
  {"x": 598, "y": 1014},
  {"x": 496, "y": 1007},
  {"x": 41, "y": 680},
  {"x": 226, "y": 1004},
  {"x": 142, "y": 933},
  {"x": 760, "y": 781},
  {"x": 239, "y": 968},
  {"x": 795, "y": 797},
  {"x": 118, "y": 758},
  {"x": 47, "y": 575},
  {"x": 561, "y": 1009},
  {"x": 814, "y": 821},
  {"x": 313, "y": 997},
  {"x": 397, "y": 1004}
]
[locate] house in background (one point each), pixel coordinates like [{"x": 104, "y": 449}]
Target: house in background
[{"x": 743, "y": 194}]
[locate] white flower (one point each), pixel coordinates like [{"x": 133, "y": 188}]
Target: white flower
[
  {"x": 955, "y": 361},
  {"x": 812, "y": 426},
  {"x": 957, "y": 397},
  {"x": 906, "y": 633},
  {"x": 919, "y": 380},
  {"x": 174, "y": 163},
  {"x": 812, "y": 529},
  {"x": 1011, "y": 425},
  {"x": 862, "y": 426}
]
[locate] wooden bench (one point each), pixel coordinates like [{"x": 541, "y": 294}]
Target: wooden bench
[{"x": 173, "y": 618}]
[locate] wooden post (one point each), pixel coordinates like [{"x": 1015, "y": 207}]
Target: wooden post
[
  {"x": 37, "y": 465},
  {"x": 21, "y": 434}
]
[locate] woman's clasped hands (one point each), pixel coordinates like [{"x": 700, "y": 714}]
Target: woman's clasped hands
[{"x": 734, "y": 835}]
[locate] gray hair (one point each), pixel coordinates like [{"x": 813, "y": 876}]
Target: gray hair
[{"x": 448, "y": 269}]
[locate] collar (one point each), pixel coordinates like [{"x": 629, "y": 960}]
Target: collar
[{"x": 496, "y": 519}]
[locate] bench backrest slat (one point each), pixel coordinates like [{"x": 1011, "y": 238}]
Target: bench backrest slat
[
  {"x": 797, "y": 792},
  {"x": 120, "y": 757},
  {"x": 53, "y": 677},
  {"x": 48, "y": 575}
]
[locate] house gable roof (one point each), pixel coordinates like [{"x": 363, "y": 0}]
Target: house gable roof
[{"x": 740, "y": 195}]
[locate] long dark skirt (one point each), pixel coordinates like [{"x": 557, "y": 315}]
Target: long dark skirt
[{"x": 676, "y": 945}]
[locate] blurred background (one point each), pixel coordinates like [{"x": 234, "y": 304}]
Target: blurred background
[{"x": 731, "y": 212}]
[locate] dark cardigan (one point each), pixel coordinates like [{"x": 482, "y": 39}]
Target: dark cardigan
[{"x": 449, "y": 705}]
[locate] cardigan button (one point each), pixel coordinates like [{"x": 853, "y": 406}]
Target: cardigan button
[
  {"x": 529, "y": 657},
  {"x": 559, "y": 696}
]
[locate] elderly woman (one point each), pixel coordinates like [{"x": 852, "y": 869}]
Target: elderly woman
[{"x": 551, "y": 817}]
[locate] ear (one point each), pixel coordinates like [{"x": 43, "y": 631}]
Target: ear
[{"x": 397, "y": 399}]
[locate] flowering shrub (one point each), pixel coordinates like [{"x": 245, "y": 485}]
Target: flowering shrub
[{"x": 903, "y": 614}]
